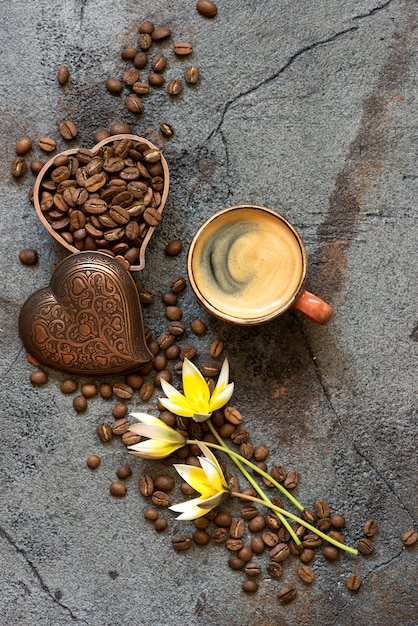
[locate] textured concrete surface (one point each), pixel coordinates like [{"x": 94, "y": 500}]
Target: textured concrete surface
[{"x": 309, "y": 108}]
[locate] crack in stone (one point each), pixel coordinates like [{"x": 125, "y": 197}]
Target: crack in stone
[
  {"x": 225, "y": 145},
  {"x": 351, "y": 442},
  {"x": 373, "y": 11},
  {"x": 5, "y": 535}
]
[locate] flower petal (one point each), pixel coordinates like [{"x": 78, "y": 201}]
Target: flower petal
[
  {"x": 220, "y": 398},
  {"x": 195, "y": 387},
  {"x": 175, "y": 408},
  {"x": 176, "y": 401},
  {"x": 161, "y": 432},
  {"x": 153, "y": 449},
  {"x": 193, "y": 511},
  {"x": 211, "y": 503},
  {"x": 144, "y": 418},
  {"x": 196, "y": 477}
]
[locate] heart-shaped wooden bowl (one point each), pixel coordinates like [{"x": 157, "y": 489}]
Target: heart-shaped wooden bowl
[
  {"x": 88, "y": 320},
  {"x": 61, "y": 210}
]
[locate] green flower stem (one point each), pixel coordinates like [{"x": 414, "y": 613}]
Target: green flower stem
[
  {"x": 236, "y": 458},
  {"x": 278, "y": 510}
]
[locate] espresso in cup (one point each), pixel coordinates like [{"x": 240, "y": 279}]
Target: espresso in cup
[{"x": 247, "y": 264}]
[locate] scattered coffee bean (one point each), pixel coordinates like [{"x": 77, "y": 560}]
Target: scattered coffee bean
[
  {"x": 23, "y": 146},
  {"x": 114, "y": 85},
  {"x": 121, "y": 129},
  {"x": 207, "y": 8},
  {"x": 129, "y": 54},
  {"x": 93, "y": 461},
  {"x": 174, "y": 87},
  {"x": 324, "y": 524},
  {"x": 311, "y": 541},
  {"x": 182, "y": 48},
  {"x": 47, "y": 144},
  {"x": 322, "y": 508},
  {"x": 160, "y": 524},
  {"x": 63, "y": 75},
  {"x": 250, "y": 586},
  {"x": 36, "y": 165},
  {"x": 124, "y": 471},
  {"x": 353, "y": 582},
  {"x": 146, "y": 27},
  {"x": 134, "y": 103},
  {"x": 38, "y": 377},
  {"x": 338, "y": 521},
  {"x": 130, "y": 439},
  {"x": 236, "y": 563},
  {"x": 80, "y": 404},
  {"x": 104, "y": 432},
  {"x": 286, "y": 594},
  {"x": 89, "y": 390},
  {"x": 409, "y": 538},
  {"x": 279, "y": 553},
  {"x": 119, "y": 410},
  {"x": 144, "y": 41},
  {"x": 163, "y": 482},
  {"x": 140, "y": 59},
  {"x": 292, "y": 480},
  {"x": 117, "y": 489},
  {"x": 166, "y": 129},
  {"x": 201, "y": 537},
  {"x": 159, "y": 63},
  {"x": 161, "y": 33},
  {"x": 274, "y": 569},
  {"x": 181, "y": 542},
  {"x": 252, "y": 569},
  {"x": 146, "y": 485},
  {"x": 106, "y": 391},
  {"x": 28, "y": 256},
  {"x": 156, "y": 80},
  {"x": 307, "y": 555},
  {"x": 18, "y": 167},
  {"x": 146, "y": 391},
  {"x": 134, "y": 380},
  {"x": 68, "y": 130},
  {"x": 191, "y": 74},
  {"x": 306, "y": 574},
  {"x": 120, "y": 426},
  {"x": 365, "y": 546},
  {"x": 69, "y": 385},
  {"x": 123, "y": 391},
  {"x": 150, "y": 514},
  {"x": 330, "y": 552},
  {"x": 370, "y": 528}
]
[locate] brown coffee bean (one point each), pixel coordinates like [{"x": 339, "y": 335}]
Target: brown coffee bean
[
  {"x": 178, "y": 284},
  {"x": 370, "y": 528},
  {"x": 68, "y": 130},
  {"x": 232, "y": 415},
  {"x": 306, "y": 574},
  {"x": 322, "y": 508},
  {"x": 47, "y": 144},
  {"x": 159, "y": 63},
  {"x": 134, "y": 380},
  {"x": 365, "y": 546},
  {"x": 134, "y": 103},
  {"x": 18, "y": 167},
  {"x": 330, "y": 552},
  {"x": 146, "y": 391},
  {"x": 120, "y": 426},
  {"x": 156, "y": 80},
  {"x": 201, "y": 537},
  {"x": 250, "y": 586},
  {"x": 104, "y": 432},
  {"x": 106, "y": 391},
  {"x": 182, "y": 48},
  {"x": 123, "y": 391},
  {"x": 181, "y": 542},
  {"x": 146, "y": 485},
  {"x": 152, "y": 216},
  {"x": 207, "y": 8},
  {"x": 270, "y": 538},
  {"x": 324, "y": 524},
  {"x": 257, "y": 544},
  {"x": 198, "y": 327},
  {"x": 160, "y": 524},
  {"x": 28, "y": 256},
  {"x": 201, "y": 523},
  {"x": 261, "y": 452},
  {"x": 219, "y": 535},
  {"x": 36, "y": 165},
  {"x": 223, "y": 519},
  {"x": 93, "y": 461},
  {"x": 173, "y": 313},
  {"x": 79, "y": 404},
  {"x": 146, "y": 27},
  {"x": 121, "y": 128},
  {"x": 174, "y": 87},
  {"x": 118, "y": 489},
  {"x": 114, "y": 85},
  {"x": 142, "y": 89},
  {"x": 130, "y": 439},
  {"x": 279, "y": 553},
  {"x": 191, "y": 74},
  {"x": 150, "y": 514},
  {"x": 166, "y": 129},
  {"x": 89, "y": 390},
  {"x": 274, "y": 569},
  {"x": 307, "y": 555},
  {"x": 128, "y": 54},
  {"x": 38, "y": 377},
  {"x": 311, "y": 541},
  {"x": 124, "y": 471},
  {"x": 353, "y": 582},
  {"x": 23, "y": 146},
  {"x": 161, "y": 33},
  {"x": 249, "y": 511},
  {"x": 410, "y": 537},
  {"x": 69, "y": 385},
  {"x": 163, "y": 482},
  {"x": 272, "y": 521},
  {"x": 292, "y": 480},
  {"x": 252, "y": 569},
  {"x": 240, "y": 436},
  {"x": 119, "y": 411},
  {"x": 286, "y": 594},
  {"x": 63, "y": 75},
  {"x": 140, "y": 59},
  {"x": 144, "y": 41},
  {"x": 245, "y": 554},
  {"x": 236, "y": 563},
  {"x": 234, "y": 545},
  {"x": 237, "y": 528},
  {"x": 256, "y": 524}
]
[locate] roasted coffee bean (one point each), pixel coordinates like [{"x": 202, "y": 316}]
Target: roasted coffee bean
[
  {"x": 307, "y": 555},
  {"x": 131, "y": 76},
  {"x": 166, "y": 129},
  {"x": 311, "y": 541},
  {"x": 93, "y": 461},
  {"x": 201, "y": 537},
  {"x": 104, "y": 432},
  {"x": 36, "y": 165},
  {"x": 274, "y": 569},
  {"x": 142, "y": 89},
  {"x": 173, "y": 313},
  {"x": 330, "y": 552},
  {"x": 121, "y": 129},
  {"x": 134, "y": 103},
  {"x": 256, "y": 524},
  {"x": 223, "y": 519},
  {"x": 353, "y": 582},
  {"x": 234, "y": 545},
  {"x": 174, "y": 87},
  {"x": 63, "y": 75},
  {"x": 322, "y": 508},
  {"x": 146, "y": 485},
  {"x": 146, "y": 391},
  {"x": 188, "y": 352},
  {"x": 178, "y": 284},
  {"x": 292, "y": 480},
  {"x": 106, "y": 391},
  {"x": 68, "y": 130},
  {"x": 38, "y": 377},
  {"x": 252, "y": 569},
  {"x": 23, "y": 146},
  {"x": 283, "y": 534},
  {"x": 250, "y": 586},
  {"x": 152, "y": 216},
  {"x": 89, "y": 390},
  {"x": 114, "y": 85},
  {"x": 144, "y": 41},
  {"x": 338, "y": 521},
  {"x": 123, "y": 472},
  {"x": 146, "y": 27},
  {"x": 130, "y": 439},
  {"x": 286, "y": 594},
  {"x": 163, "y": 482},
  {"x": 160, "y": 524},
  {"x": 191, "y": 74},
  {"x": 240, "y": 436},
  {"x": 122, "y": 391},
  {"x": 80, "y": 404},
  {"x": 69, "y": 385},
  {"x": 279, "y": 553},
  {"x": 236, "y": 563},
  {"x": 150, "y": 514},
  {"x": 118, "y": 489},
  {"x": 140, "y": 59},
  {"x": 156, "y": 80},
  {"x": 159, "y": 63},
  {"x": 237, "y": 529},
  {"x": 232, "y": 415},
  {"x": 272, "y": 521},
  {"x": 410, "y": 537},
  {"x": 245, "y": 554},
  {"x": 100, "y": 135},
  {"x": 120, "y": 426},
  {"x": 249, "y": 512},
  {"x": 270, "y": 538},
  {"x": 324, "y": 524},
  {"x": 198, "y": 327},
  {"x": 220, "y": 535},
  {"x": 182, "y": 48},
  {"x": 28, "y": 256},
  {"x": 365, "y": 546},
  {"x": 181, "y": 542},
  {"x": 158, "y": 34},
  {"x": 47, "y": 144},
  {"x": 18, "y": 167},
  {"x": 165, "y": 340},
  {"x": 370, "y": 528},
  {"x": 257, "y": 544},
  {"x": 295, "y": 549},
  {"x": 261, "y": 452},
  {"x": 216, "y": 348},
  {"x": 119, "y": 410},
  {"x": 306, "y": 574},
  {"x": 207, "y": 8}
]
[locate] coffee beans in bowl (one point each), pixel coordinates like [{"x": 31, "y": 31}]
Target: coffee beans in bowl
[{"x": 109, "y": 198}]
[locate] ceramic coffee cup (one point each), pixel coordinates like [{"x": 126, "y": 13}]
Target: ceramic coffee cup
[{"x": 247, "y": 265}]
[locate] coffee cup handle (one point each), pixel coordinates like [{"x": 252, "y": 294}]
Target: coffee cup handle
[{"x": 312, "y": 307}]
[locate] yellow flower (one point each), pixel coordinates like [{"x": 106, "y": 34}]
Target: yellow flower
[
  {"x": 208, "y": 480},
  {"x": 197, "y": 401},
  {"x": 163, "y": 440}
]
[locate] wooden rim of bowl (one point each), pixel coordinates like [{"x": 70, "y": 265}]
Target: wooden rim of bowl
[{"x": 38, "y": 182}]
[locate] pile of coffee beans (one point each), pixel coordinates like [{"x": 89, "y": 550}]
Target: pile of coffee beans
[{"x": 105, "y": 200}]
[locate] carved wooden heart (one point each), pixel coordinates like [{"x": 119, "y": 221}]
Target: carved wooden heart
[{"x": 88, "y": 320}]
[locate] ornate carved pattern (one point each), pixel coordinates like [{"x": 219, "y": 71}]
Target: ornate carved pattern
[{"x": 88, "y": 320}]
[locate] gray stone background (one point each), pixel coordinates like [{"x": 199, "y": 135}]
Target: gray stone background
[{"x": 309, "y": 108}]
